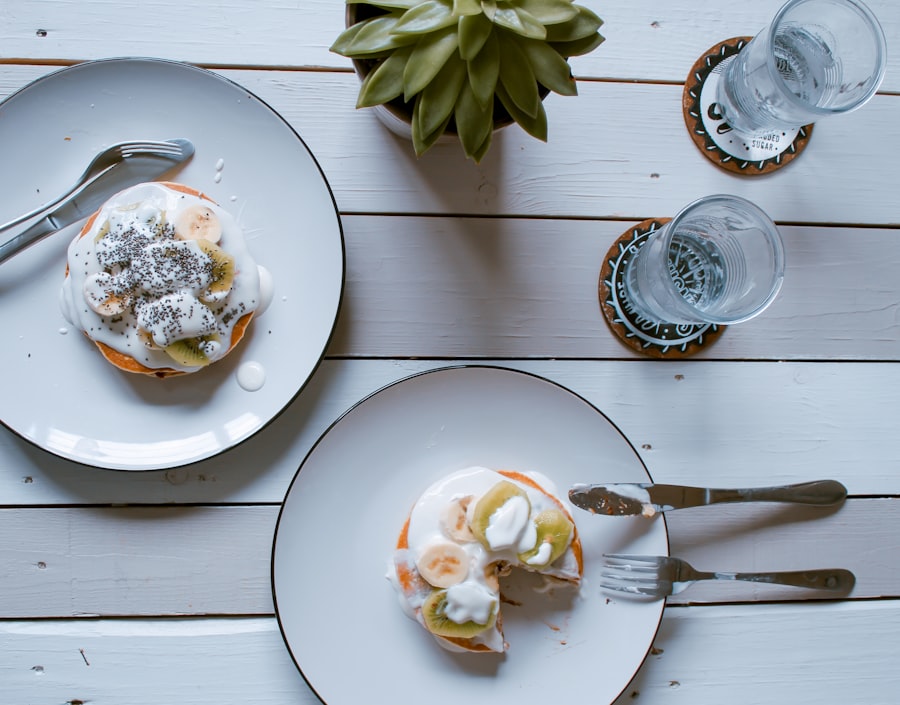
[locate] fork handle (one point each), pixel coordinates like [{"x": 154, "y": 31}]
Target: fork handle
[
  {"x": 821, "y": 493},
  {"x": 836, "y": 579}
]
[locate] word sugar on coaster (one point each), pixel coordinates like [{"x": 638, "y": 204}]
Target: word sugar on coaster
[
  {"x": 738, "y": 152},
  {"x": 662, "y": 340}
]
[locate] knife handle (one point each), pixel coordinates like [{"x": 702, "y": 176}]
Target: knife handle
[
  {"x": 41, "y": 229},
  {"x": 821, "y": 493}
]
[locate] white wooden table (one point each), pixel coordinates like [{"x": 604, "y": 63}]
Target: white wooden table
[{"x": 148, "y": 588}]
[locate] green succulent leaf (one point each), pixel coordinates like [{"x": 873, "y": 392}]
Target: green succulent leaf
[
  {"x": 489, "y": 8},
  {"x": 387, "y": 4},
  {"x": 377, "y": 36},
  {"x": 438, "y": 98},
  {"x": 473, "y": 33},
  {"x": 517, "y": 77},
  {"x": 428, "y": 57},
  {"x": 579, "y": 47},
  {"x": 550, "y": 69},
  {"x": 385, "y": 82},
  {"x": 474, "y": 122},
  {"x": 549, "y": 11},
  {"x": 422, "y": 143},
  {"x": 536, "y": 125},
  {"x": 584, "y": 24},
  {"x": 479, "y": 153},
  {"x": 519, "y": 21},
  {"x": 345, "y": 39},
  {"x": 466, "y": 8},
  {"x": 484, "y": 72},
  {"x": 427, "y": 17}
]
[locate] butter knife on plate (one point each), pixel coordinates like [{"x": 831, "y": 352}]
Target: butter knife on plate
[
  {"x": 623, "y": 499},
  {"x": 128, "y": 172}
]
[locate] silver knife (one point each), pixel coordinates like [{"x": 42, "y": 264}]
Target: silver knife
[
  {"x": 649, "y": 499},
  {"x": 125, "y": 173}
]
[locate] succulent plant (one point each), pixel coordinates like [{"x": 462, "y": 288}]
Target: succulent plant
[{"x": 464, "y": 66}]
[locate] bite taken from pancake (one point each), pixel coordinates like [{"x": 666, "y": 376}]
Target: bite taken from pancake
[
  {"x": 161, "y": 279},
  {"x": 465, "y": 532}
]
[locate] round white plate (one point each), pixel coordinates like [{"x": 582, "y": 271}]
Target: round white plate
[
  {"x": 341, "y": 517},
  {"x": 59, "y": 393}
]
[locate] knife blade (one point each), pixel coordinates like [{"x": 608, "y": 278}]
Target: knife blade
[
  {"x": 121, "y": 175},
  {"x": 624, "y": 499}
]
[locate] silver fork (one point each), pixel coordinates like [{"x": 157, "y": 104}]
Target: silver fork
[
  {"x": 106, "y": 160},
  {"x": 659, "y": 576}
]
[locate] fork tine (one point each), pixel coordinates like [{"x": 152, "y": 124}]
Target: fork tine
[
  {"x": 150, "y": 149},
  {"x": 631, "y": 558},
  {"x": 651, "y": 589},
  {"x": 627, "y": 568},
  {"x": 642, "y": 577},
  {"x": 149, "y": 145}
]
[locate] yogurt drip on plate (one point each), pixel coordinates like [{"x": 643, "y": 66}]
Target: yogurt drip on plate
[{"x": 159, "y": 266}]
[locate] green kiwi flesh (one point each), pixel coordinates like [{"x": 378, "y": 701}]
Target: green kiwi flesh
[{"x": 434, "y": 614}]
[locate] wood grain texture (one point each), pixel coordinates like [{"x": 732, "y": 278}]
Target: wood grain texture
[
  {"x": 748, "y": 424},
  {"x": 804, "y": 654},
  {"x": 645, "y": 40},
  {"x": 602, "y": 160},
  {"x": 152, "y": 561},
  {"x": 451, "y": 287}
]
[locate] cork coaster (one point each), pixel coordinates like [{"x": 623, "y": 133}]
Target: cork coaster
[
  {"x": 748, "y": 154},
  {"x": 662, "y": 340}
]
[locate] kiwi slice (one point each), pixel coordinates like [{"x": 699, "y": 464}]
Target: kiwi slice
[
  {"x": 489, "y": 503},
  {"x": 189, "y": 352},
  {"x": 223, "y": 267},
  {"x": 553, "y": 527},
  {"x": 437, "y": 621}
]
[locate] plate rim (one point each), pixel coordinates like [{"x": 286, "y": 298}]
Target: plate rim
[
  {"x": 408, "y": 378},
  {"x": 201, "y": 71}
]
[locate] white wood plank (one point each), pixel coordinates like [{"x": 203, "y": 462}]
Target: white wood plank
[
  {"x": 601, "y": 161},
  {"x": 645, "y": 39},
  {"x": 801, "y": 654},
  {"x": 449, "y": 287},
  {"x": 748, "y": 424},
  {"x": 72, "y": 562},
  {"x": 136, "y": 561}
]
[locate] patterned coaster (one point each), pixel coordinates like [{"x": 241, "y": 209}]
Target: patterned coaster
[
  {"x": 663, "y": 340},
  {"x": 748, "y": 154}
]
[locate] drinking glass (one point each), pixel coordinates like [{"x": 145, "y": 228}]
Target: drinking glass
[
  {"x": 719, "y": 260},
  {"x": 816, "y": 58}
]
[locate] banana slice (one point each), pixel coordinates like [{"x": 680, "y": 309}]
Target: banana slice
[
  {"x": 101, "y": 291},
  {"x": 443, "y": 564},
  {"x": 454, "y": 520},
  {"x": 198, "y": 223}
]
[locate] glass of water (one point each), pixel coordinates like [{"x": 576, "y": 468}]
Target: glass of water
[
  {"x": 816, "y": 58},
  {"x": 719, "y": 260}
]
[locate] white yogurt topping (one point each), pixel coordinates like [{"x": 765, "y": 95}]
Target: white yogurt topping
[
  {"x": 543, "y": 554},
  {"x": 470, "y": 602},
  {"x": 507, "y": 524},
  {"x": 136, "y": 285}
]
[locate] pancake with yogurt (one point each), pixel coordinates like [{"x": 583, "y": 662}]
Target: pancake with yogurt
[
  {"x": 161, "y": 280},
  {"x": 464, "y": 533}
]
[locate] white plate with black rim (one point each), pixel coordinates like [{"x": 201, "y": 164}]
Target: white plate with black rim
[
  {"x": 339, "y": 615},
  {"x": 60, "y": 394}
]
